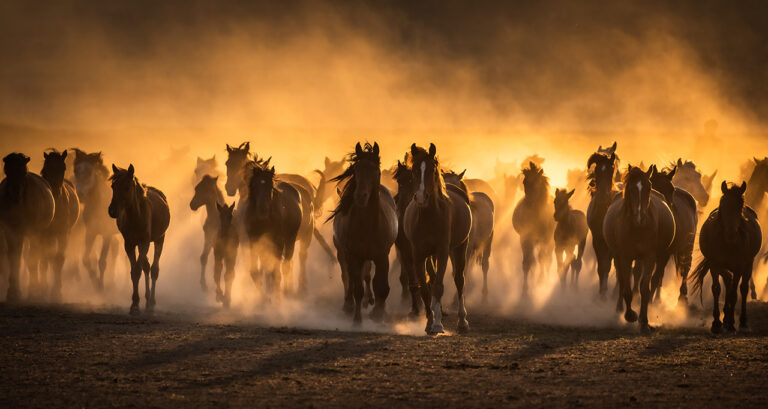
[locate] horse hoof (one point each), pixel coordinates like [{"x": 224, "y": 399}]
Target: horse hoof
[
  {"x": 348, "y": 308},
  {"x": 717, "y": 327},
  {"x": 730, "y": 328},
  {"x": 682, "y": 302},
  {"x": 357, "y": 321},
  {"x": 463, "y": 326},
  {"x": 219, "y": 296},
  {"x": 744, "y": 328},
  {"x": 437, "y": 328},
  {"x": 134, "y": 310},
  {"x": 630, "y": 316},
  {"x": 645, "y": 328},
  {"x": 753, "y": 294},
  {"x": 377, "y": 314}
]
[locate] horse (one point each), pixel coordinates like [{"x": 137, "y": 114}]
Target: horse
[
  {"x": 205, "y": 167},
  {"x": 639, "y": 227},
  {"x": 405, "y": 191},
  {"x": 142, "y": 215},
  {"x": 225, "y": 246},
  {"x": 323, "y": 193},
  {"x": 91, "y": 185},
  {"x": 533, "y": 222},
  {"x": 274, "y": 220},
  {"x": 688, "y": 178},
  {"x": 238, "y": 159},
  {"x": 729, "y": 240},
  {"x": 481, "y": 235},
  {"x": 683, "y": 206},
  {"x": 757, "y": 187},
  {"x": 570, "y": 234},
  {"x": 66, "y": 214},
  {"x": 603, "y": 193},
  {"x": 208, "y": 194},
  {"x": 365, "y": 227},
  {"x": 27, "y": 208},
  {"x": 438, "y": 221}
]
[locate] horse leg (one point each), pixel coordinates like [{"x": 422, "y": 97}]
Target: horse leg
[
  {"x": 683, "y": 265},
  {"x": 603, "y": 256},
  {"x": 348, "y": 306},
  {"x": 229, "y": 277},
  {"x": 87, "y": 260},
  {"x": 380, "y": 286},
  {"x": 15, "y": 246},
  {"x": 744, "y": 287},
  {"x": 273, "y": 268},
  {"x": 203, "y": 262},
  {"x": 731, "y": 292},
  {"x": 624, "y": 275},
  {"x": 637, "y": 272},
  {"x": 658, "y": 276},
  {"x": 406, "y": 264},
  {"x": 528, "y": 261},
  {"x": 155, "y": 268},
  {"x": 459, "y": 262},
  {"x": 303, "y": 255},
  {"x": 356, "y": 287},
  {"x": 285, "y": 257},
  {"x": 485, "y": 264},
  {"x": 403, "y": 276},
  {"x": 368, "y": 298},
  {"x": 144, "y": 266},
  {"x": 437, "y": 293},
  {"x": 562, "y": 272},
  {"x": 58, "y": 265},
  {"x": 645, "y": 291},
  {"x": 419, "y": 270},
  {"x": 130, "y": 250},
  {"x": 106, "y": 243},
  {"x": 217, "y": 266},
  {"x": 31, "y": 260},
  {"x": 717, "y": 326},
  {"x": 256, "y": 271}
]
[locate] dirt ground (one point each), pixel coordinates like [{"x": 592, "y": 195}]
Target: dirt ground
[{"x": 71, "y": 356}]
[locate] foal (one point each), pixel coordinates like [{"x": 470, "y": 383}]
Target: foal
[
  {"x": 208, "y": 194},
  {"x": 225, "y": 247},
  {"x": 570, "y": 233}
]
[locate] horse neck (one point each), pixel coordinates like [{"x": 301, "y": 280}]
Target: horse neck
[
  {"x": 565, "y": 215},
  {"x": 54, "y": 181},
  {"x": 134, "y": 206},
  {"x": 368, "y": 215}
]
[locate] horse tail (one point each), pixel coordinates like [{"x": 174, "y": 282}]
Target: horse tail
[
  {"x": 324, "y": 244},
  {"x": 697, "y": 277}
]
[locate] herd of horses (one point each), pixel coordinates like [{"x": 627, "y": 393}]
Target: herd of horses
[{"x": 638, "y": 219}]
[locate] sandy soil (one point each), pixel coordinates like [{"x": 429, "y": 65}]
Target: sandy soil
[{"x": 73, "y": 356}]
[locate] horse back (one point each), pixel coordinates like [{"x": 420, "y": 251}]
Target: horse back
[
  {"x": 34, "y": 211},
  {"x": 389, "y": 216},
  {"x": 292, "y": 217},
  {"x": 461, "y": 216},
  {"x": 303, "y": 198},
  {"x": 160, "y": 211},
  {"x": 665, "y": 220}
]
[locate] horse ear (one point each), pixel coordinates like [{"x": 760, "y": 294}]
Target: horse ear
[
  {"x": 432, "y": 149},
  {"x": 571, "y": 193},
  {"x": 461, "y": 175},
  {"x": 679, "y": 162},
  {"x": 220, "y": 207},
  {"x": 327, "y": 162},
  {"x": 653, "y": 170},
  {"x": 45, "y": 155},
  {"x": 229, "y": 149},
  {"x": 757, "y": 161},
  {"x": 650, "y": 171},
  {"x": 613, "y": 147},
  {"x": 531, "y": 165},
  {"x": 232, "y": 206},
  {"x": 130, "y": 169},
  {"x": 26, "y": 159},
  {"x": 613, "y": 156},
  {"x": 723, "y": 187},
  {"x": 358, "y": 149},
  {"x": 376, "y": 148},
  {"x": 216, "y": 179},
  {"x": 743, "y": 187},
  {"x": 114, "y": 168},
  {"x": 64, "y": 154},
  {"x": 672, "y": 173},
  {"x": 272, "y": 170},
  {"x": 599, "y": 148}
]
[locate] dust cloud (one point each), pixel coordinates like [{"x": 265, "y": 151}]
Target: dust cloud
[{"x": 157, "y": 85}]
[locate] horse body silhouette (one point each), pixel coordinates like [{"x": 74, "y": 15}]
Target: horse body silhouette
[
  {"x": 27, "y": 208},
  {"x": 757, "y": 187},
  {"x": 532, "y": 220},
  {"x": 365, "y": 227},
  {"x": 730, "y": 239},
  {"x": 208, "y": 194},
  {"x": 683, "y": 206},
  {"x": 142, "y": 215},
  {"x": 225, "y": 246},
  {"x": 603, "y": 194},
  {"x": 405, "y": 191},
  {"x": 437, "y": 223},
  {"x": 66, "y": 214},
  {"x": 639, "y": 227},
  {"x": 570, "y": 236},
  {"x": 91, "y": 185},
  {"x": 483, "y": 215}
]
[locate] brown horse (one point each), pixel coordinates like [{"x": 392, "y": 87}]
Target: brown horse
[
  {"x": 225, "y": 247},
  {"x": 729, "y": 241},
  {"x": 26, "y": 211},
  {"x": 437, "y": 223},
  {"x": 532, "y": 220},
  {"x": 570, "y": 236},
  {"x": 142, "y": 215},
  {"x": 601, "y": 170},
  {"x": 91, "y": 183},
  {"x": 67, "y": 211},
  {"x": 208, "y": 194},
  {"x": 481, "y": 235},
  {"x": 405, "y": 191},
  {"x": 364, "y": 228},
  {"x": 638, "y": 227}
]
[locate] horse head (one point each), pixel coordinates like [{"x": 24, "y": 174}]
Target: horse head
[
  {"x": 237, "y": 158},
  {"x": 126, "y": 190},
  {"x": 690, "y": 179},
  {"x": 637, "y": 194},
  {"x": 428, "y": 182},
  {"x": 661, "y": 181},
  {"x": 730, "y": 212},
  {"x": 261, "y": 188},
  {"x": 89, "y": 171},
  {"x": 54, "y": 167},
  {"x": 205, "y": 192},
  {"x": 561, "y": 203}
]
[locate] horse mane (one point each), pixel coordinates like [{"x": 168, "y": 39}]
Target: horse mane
[
  {"x": 533, "y": 171},
  {"x": 346, "y": 200},
  {"x": 140, "y": 188}
]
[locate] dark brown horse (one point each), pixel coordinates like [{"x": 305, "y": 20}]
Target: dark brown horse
[
  {"x": 67, "y": 211},
  {"x": 437, "y": 223},
  {"x": 208, "y": 194},
  {"x": 729, "y": 241},
  {"x": 225, "y": 247},
  {"x": 532, "y": 220},
  {"x": 601, "y": 170},
  {"x": 570, "y": 236},
  {"x": 405, "y": 191},
  {"x": 481, "y": 235},
  {"x": 26, "y": 211},
  {"x": 683, "y": 208},
  {"x": 639, "y": 227},
  {"x": 364, "y": 228},
  {"x": 91, "y": 183},
  {"x": 273, "y": 219},
  {"x": 142, "y": 216}
]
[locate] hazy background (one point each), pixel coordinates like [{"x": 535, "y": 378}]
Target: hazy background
[{"x": 305, "y": 79}]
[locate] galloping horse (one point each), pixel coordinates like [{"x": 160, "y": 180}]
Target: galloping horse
[
  {"x": 683, "y": 208},
  {"x": 225, "y": 252},
  {"x": 570, "y": 235},
  {"x": 364, "y": 228},
  {"x": 26, "y": 210},
  {"x": 638, "y": 227},
  {"x": 142, "y": 216},
  {"x": 603, "y": 194},
  {"x": 532, "y": 220},
  {"x": 729, "y": 241},
  {"x": 66, "y": 213},
  {"x": 481, "y": 235},
  {"x": 437, "y": 223},
  {"x": 208, "y": 194},
  {"x": 405, "y": 191},
  {"x": 93, "y": 191}
]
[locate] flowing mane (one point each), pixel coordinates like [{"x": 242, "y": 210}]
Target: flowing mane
[{"x": 348, "y": 190}]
